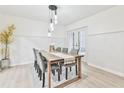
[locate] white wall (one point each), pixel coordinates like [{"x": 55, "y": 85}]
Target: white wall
[
  {"x": 105, "y": 39},
  {"x": 29, "y": 33}
]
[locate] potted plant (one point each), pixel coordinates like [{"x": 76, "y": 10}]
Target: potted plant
[{"x": 6, "y": 37}]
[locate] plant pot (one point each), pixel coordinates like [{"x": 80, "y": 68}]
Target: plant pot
[{"x": 5, "y": 63}]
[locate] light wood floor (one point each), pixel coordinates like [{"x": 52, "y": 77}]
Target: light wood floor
[{"x": 21, "y": 77}]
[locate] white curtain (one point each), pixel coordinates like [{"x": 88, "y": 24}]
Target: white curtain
[{"x": 76, "y": 39}]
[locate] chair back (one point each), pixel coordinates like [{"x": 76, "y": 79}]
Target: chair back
[
  {"x": 65, "y": 50},
  {"x": 58, "y": 49},
  {"x": 73, "y": 52},
  {"x": 40, "y": 61},
  {"x": 35, "y": 56},
  {"x": 51, "y": 48}
]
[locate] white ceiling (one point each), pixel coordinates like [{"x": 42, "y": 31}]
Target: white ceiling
[{"x": 67, "y": 14}]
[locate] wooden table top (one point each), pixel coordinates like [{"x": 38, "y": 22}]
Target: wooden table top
[
  {"x": 50, "y": 57},
  {"x": 62, "y": 55},
  {"x": 56, "y": 56}
]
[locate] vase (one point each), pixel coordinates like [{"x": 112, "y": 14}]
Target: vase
[{"x": 5, "y": 63}]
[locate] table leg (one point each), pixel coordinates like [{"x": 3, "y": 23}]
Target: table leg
[
  {"x": 79, "y": 66},
  {"x": 49, "y": 74}
]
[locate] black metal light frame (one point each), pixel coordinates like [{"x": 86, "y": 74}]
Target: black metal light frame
[{"x": 53, "y": 7}]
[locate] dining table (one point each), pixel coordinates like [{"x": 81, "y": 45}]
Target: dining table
[{"x": 59, "y": 57}]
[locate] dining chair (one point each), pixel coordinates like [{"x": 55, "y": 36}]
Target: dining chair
[
  {"x": 65, "y": 50},
  {"x": 58, "y": 49},
  {"x": 42, "y": 62},
  {"x": 36, "y": 64},
  {"x": 71, "y": 63},
  {"x": 51, "y": 48},
  {"x": 74, "y": 51}
]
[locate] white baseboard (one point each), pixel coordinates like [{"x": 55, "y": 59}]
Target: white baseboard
[
  {"x": 22, "y": 63},
  {"x": 107, "y": 70}
]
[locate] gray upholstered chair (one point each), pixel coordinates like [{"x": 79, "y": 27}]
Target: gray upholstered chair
[
  {"x": 65, "y": 50},
  {"x": 71, "y": 63},
  {"x": 51, "y": 48},
  {"x": 42, "y": 63},
  {"x": 74, "y": 51},
  {"x": 42, "y": 68},
  {"x": 58, "y": 49}
]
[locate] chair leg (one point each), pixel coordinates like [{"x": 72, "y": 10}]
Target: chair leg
[
  {"x": 66, "y": 73},
  {"x": 70, "y": 68},
  {"x": 60, "y": 69},
  {"x": 76, "y": 69},
  {"x": 39, "y": 71},
  {"x": 43, "y": 80},
  {"x": 59, "y": 75},
  {"x": 53, "y": 72},
  {"x": 37, "y": 68},
  {"x": 40, "y": 74},
  {"x": 35, "y": 63}
]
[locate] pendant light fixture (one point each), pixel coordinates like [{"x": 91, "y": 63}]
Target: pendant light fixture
[{"x": 53, "y": 18}]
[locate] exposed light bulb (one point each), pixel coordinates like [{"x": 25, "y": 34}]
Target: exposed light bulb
[
  {"x": 55, "y": 21},
  {"x": 52, "y": 29},
  {"x": 55, "y": 17},
  {"x": 51, "y": 26},
  {"x": 50, "y": 12},
  {"x": 49, "y": 34}
]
